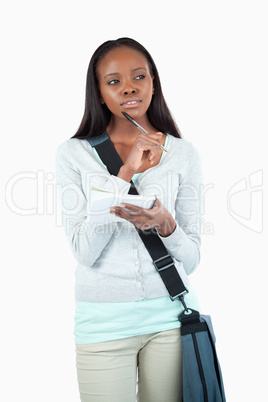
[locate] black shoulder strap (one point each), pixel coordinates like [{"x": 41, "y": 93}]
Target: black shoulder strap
[{"x": 162, "y": 260}]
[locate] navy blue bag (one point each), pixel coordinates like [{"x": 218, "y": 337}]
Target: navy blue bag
[{"x": 202, "y": 378}]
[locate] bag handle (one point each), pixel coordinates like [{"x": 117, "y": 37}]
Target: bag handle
[{"x": 162, "y": 260}]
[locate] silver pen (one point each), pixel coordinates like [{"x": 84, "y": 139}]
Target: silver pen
[{"x": 140, "y": 127}]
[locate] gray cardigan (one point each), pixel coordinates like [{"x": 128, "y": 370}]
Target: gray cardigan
[{"x": 113, "y": 264}]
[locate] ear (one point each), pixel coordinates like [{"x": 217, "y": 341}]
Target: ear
[
  {"x": 101, "y": 101},
  {"x": 153, "y": 86}
]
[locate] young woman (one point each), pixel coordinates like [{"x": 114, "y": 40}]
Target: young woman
[{"x": 126, "y": 325}]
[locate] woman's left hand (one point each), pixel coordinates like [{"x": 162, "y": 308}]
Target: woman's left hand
[{"x": 157, "y": 217}]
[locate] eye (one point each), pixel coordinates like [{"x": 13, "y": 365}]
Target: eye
[
  {"x": 113, "y": 82},
  {"x": 140, "y": 77}
]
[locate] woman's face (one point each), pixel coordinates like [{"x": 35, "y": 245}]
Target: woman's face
[{"x": 125, "y": 82}]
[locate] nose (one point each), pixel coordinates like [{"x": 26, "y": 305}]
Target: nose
[{"x": 129, "y": 89}]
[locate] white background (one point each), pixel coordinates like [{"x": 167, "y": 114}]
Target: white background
[{"x": 212, "y": 60}]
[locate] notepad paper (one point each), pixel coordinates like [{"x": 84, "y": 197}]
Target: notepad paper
[{"x": 101, "y": 201}]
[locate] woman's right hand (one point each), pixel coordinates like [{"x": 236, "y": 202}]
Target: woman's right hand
[{"x": 145, "y": 149}]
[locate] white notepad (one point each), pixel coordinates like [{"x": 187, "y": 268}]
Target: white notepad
[{"x": 101, "y": 201}]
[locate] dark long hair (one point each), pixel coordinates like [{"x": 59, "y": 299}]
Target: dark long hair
[{"x": 97, "y": 116}]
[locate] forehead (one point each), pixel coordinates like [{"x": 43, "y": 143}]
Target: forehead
[{"x": 121, "y": 58}]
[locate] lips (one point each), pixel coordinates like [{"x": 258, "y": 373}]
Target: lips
[{"x": 132, "y": 102}]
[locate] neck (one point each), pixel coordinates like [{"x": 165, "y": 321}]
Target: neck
[{"x": 124, "y": 132}]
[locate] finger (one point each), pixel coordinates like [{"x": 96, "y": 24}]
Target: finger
[
  {"x": 124, "y": 212},
  {"x": 140, "y": 221},
  {"x": 134, "y": 213},
  {"x": 130, "y": 207},
  {"x": 134, "y": 209},
  {"x": 148, "y": 140},
  {"x": 154, "y": 137}
]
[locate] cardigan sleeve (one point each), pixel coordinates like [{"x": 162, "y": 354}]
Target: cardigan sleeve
[
  {"x": 87, "y": 239},
  {"x": 184, "y": 243}
]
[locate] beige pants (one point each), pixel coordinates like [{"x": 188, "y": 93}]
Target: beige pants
[{"x": 107, "y": 371}]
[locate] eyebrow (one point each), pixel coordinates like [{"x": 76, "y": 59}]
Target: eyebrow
[{"x": 134, "y": 69}]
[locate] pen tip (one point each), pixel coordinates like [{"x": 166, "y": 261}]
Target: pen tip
[{"x": 125, "y": 114}]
